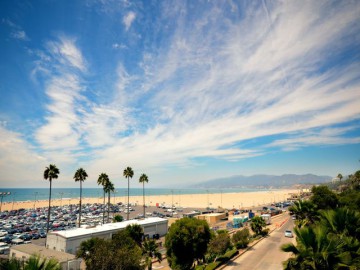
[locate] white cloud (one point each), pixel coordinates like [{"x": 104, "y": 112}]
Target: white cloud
[
  {"x": 129, "y": 19},
  {"x": 119, "y": 46},
  {"x": 20, "y": 34},
  {"x": 19, "y": 163}
]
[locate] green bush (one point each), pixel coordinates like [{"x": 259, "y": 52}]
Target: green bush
[
  {"x": 265, "y": 232},
  {"x": 228, "y": 255},
  {"x": 213, "y": 265},
  {"x": 241, "y": 238}
]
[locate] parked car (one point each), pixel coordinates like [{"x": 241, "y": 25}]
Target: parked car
[
  {"x": 288, "y": 233},
  {"x": 4, "y": 248}
]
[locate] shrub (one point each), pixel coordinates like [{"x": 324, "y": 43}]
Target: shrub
[
  {"x": 213, "y": 265},
  {"x": 241, "y": 238}
]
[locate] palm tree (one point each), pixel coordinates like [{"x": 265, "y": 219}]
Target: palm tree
[
  {"x": 50, "y": 173},
  {"x": 340, "y": 176},
  {"x": 257, "y": 224},
  {"x": 143, "y": 179},
  {"x": 314, "y": 250},
  {"x": 128, "y": 173},
  {"x": 150, "y": 250},
  {"x": 109, "y": 187},
  {"x": 35, "y": 262},
  {"x": 103, "y": 180},
  {"x": 305, "y": 212},
  {"x": 80, "y": 176}
]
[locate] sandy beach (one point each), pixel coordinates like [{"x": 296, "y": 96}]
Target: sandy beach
[{"x": 240, "y": 200}]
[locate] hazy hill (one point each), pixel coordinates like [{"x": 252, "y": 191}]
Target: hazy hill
[{"x": 263, "y": 180}]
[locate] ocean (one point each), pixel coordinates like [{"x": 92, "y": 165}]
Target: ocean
[{"x": 32, "y": 194}]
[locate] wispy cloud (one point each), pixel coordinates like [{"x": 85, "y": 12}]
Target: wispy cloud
[
  {"x": 16, "y": 31},
  {"x": 129, "y": 19},
  {"x": 212, "y": 76}
]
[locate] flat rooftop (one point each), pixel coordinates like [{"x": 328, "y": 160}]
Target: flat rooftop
[
  {"x": 107, "y": 227},
  {"x": 43, "y": 252}
]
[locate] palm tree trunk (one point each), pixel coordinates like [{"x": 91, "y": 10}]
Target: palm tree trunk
[
  {"x": 128, "y": 206},
  {"x": 144, "y": 197},
  {"x": 48, "y": 218},
  {"x": 80, "y": 204},
  {"x": 104, "y": 209},
  {"x": 108, "y": 207}
]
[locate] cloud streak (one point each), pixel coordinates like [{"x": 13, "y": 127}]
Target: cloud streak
[{"x": 210, "y": 77}]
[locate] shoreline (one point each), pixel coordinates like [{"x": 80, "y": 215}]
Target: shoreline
[{"x": 239, "y": 200}]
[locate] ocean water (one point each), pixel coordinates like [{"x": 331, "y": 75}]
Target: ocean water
[{"x": 31, "y": 194}]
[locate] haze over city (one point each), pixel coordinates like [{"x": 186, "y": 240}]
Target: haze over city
[{"x": 184, "y": 91}]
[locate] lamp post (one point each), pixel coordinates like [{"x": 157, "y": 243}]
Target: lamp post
[
  {"x": 3, "y": 194},
  {"x": 172, "y": 199},
  {"x": 12, "y": 207},
  {"x": 36, "y": 193},
  {"x": 61, "y": 196}
]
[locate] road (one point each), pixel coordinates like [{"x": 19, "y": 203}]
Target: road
[{"x": 266, "y": 254}]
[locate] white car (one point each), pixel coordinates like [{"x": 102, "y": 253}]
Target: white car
[{"x": 288, "y": 233}]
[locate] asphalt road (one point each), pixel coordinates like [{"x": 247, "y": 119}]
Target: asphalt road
[{"x": 266, "y": 254}]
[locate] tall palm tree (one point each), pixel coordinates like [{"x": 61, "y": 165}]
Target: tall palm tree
[
  {"x": 50, "y": 173},
  {"x": 150, "y": 250},
  {"x": 340, "y": 176},
  {"x": 80, "y": 176},
  {"x": 128, "y": 173},
  {"x": 143, "y": 179},
  {"x": 109, "y": 187},
  {"x": 103, "y": 180}
]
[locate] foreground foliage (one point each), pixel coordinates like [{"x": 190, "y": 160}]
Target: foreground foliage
[
  {"x": 327, "y": 237},
  {"x": 186, "y": 242},
  {"x": 35, "y": 262},
  {"x": 119, "y": 253}
]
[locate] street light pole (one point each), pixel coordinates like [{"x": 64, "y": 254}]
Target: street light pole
[
  {"x": 35, "y": 199},
  {"x": 3, "y": 194}
]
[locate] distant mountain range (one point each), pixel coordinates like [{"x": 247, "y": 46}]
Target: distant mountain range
[{"x": 263, "y": 181}]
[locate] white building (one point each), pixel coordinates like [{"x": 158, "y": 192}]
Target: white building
[{"x": 70, "y": 240}]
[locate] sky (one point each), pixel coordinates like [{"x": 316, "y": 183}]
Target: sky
[{"x": 183, "y": 91}]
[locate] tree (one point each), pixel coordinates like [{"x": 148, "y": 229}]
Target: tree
[
  {"x": 86, "y": 250},
  {"x": 50, "y": 173},
  {"x": 80, "y": 176},
  {"x": 219, "y": 245},
  {"x": 10, "y": 264},
  {"x": 324, "y": 198},
  {"x": 241, "y": 238},
  {"x": 143, "y": 179},
  {"x": 35, "y": 262},
  {"x": 257, "y": 224},
  {"x": 186, "y": 241},
  {"x": 340, "y": 176},
  {"x": 103, "y": 180},
  {"x": 119, "y": 253},
  {"x": 109, "y": 187},
  {"x": 128, "y": 173},
  {"x": 314, "y": 250},
  {"x": 118, "y": 218},
  {"x": 150, "y": 251},
  {"x": 305, "y": 212},
  {"x": 136, "y": 232}
]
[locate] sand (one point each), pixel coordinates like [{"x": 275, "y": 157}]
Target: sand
[{"x": 241, "y": 200}]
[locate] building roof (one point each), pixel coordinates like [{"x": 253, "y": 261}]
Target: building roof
[
  {"x": 107, "y": 227},
  {"x": 32, "y": 249}
]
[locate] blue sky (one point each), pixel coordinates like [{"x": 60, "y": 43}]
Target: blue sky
[{"x": 184, "y": 91}]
